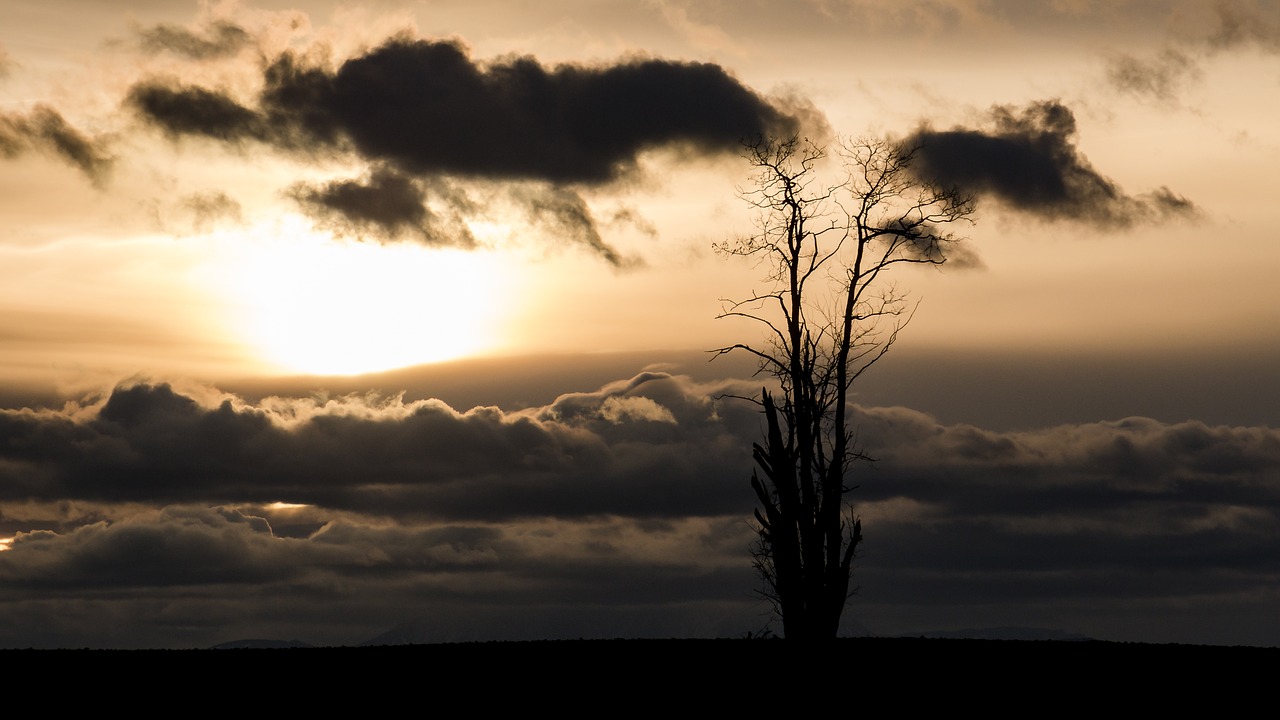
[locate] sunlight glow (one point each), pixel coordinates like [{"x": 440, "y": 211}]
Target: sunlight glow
[
  {"x": 312, "y": 304},
  {"x": 287, "y": 506},
  {"x": 6, "y": 544}
]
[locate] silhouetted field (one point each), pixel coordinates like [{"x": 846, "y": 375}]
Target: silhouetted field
[
  {"x": 661, "y": 679},
  {"x": 1088, "y": 667}
]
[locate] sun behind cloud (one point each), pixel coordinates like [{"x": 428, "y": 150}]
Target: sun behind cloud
[{"x": 312, "y": 304}]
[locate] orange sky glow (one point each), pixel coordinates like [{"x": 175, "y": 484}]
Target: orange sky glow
[{"x": 314, "y": 299}]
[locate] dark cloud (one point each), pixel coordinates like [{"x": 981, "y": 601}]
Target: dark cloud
[
  {"x": 44, "y": 129},
  {"x": 1027, "y": 159},
  {"x": 216, "y": 39},
  {"x": 188, "y": 110},
  {"x": 172, "y": 547},
  {"x": 619, "y": 511},
  {"x": 425, "y": 110},
  {"x": 390, "y": 205},
  {"x": 152, "y": 443},
  {"x": 1104, "y": 516},
  {"x": 1104, "y": 471},
  {"x": 193, "y": 576},
  {"x": 429, "y": 108}
]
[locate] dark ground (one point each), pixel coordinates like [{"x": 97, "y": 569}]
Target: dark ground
[{"x": 932, "y": 672}]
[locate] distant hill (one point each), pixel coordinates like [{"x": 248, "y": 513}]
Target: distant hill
[
  {"x": 261, "y": 645},
  {"x": 409, "y": 634}
]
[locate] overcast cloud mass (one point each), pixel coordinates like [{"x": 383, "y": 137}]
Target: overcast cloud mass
[{"x": 627, "y": 496}]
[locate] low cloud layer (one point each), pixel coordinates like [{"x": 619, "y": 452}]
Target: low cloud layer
[
  {"x": 1026, "y": 159},
  {"x": 619, "y": 511},
  {"x": 422, "y": 457},
  {"x": 426, "y": 111}
]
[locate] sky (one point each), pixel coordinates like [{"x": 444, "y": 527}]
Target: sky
[{"x": 341, "y": 321}]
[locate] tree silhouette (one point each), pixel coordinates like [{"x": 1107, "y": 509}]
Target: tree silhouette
[{"x": 830, "y": 310}]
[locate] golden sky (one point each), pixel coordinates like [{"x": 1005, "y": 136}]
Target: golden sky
[{"x": 182, "y": 254}]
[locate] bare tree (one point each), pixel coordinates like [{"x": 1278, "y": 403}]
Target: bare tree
[{"x": 830, "y": 310}]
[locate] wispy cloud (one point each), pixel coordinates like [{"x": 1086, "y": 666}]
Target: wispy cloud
[
  {"x": 45, "y": 130},
  {"x": 209, "y": 208},
  {"x": 1199, "y": 32},
  {"x": 219, "y": 38},
  {"x": 1162, "y": 77}
]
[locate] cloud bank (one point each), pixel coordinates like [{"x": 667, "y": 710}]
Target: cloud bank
[{"x": 622, "y": 510}]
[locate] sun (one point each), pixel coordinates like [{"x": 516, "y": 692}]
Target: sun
[{"x": 308, "y": 303}]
